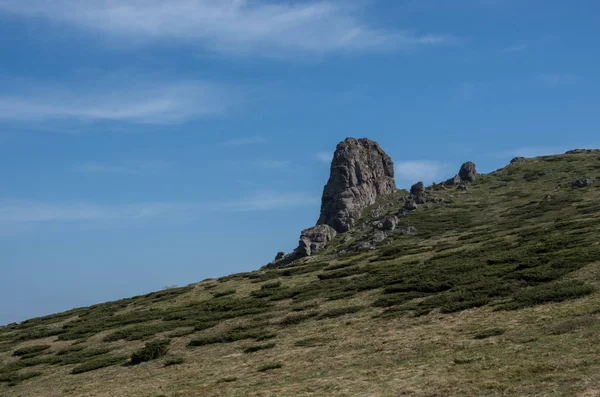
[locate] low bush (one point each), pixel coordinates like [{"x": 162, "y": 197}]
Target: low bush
[
  {"x": 257, "y": 348},
  {"x": 296, "y": 318},
  {"x": 269, "y": 367},
  {"x": 151, "y": 351},
  {"x": 14, "y": 378},
  {"x": 550, "y": 292},
  {"x": 174, "y": 361},
  {"x": 98, "y": 363},
  {"x": 489, "y": 333},
  {"x": 340, "y": 311},
  {"x": 31, "y": 350},
  {"x": 221, "y": 294},
  {"x": 231, "y": 336}
]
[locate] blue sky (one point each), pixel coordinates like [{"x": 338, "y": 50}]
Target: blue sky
[{"x": 147, "y": 143}]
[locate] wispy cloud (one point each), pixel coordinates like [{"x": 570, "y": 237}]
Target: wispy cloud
[
  {"x": 271, "y": 164},
  {"x": 241, "y": 27},
  {"x": 554, "y": 80},
  {"x": 14, "y": 212},
  {"x": 271, "y": 201},
  {"x": 150, "y": 103},
  {"x": 324, "y": 157},
  {"x": 251, "y": 140},
  {"x": 128, "y": 167},
  {"x": 415, "y": 171}
]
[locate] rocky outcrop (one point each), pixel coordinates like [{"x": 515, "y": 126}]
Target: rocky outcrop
[
  {"x": 314, "y": 239},
  {"x": 579, "y": 183},
  {"x": 360, "y": 172},
  {"x": 467, "y": 173},
  {"x": 518, "y": 160}
]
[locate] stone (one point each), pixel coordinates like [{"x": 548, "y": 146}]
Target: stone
[
  {"x": 366, "y": 245},
  {"x": 360, "y": 173},
  {"x": 279, "y": 255},
  {"x": 314, "y": 239},
  {"x": 379, "y": 236},
  {"x": 582, "y": 183},
  {"x": 453, "y": 181},
  {"x": 518, "y": 160},
  {"x": 410, "y": 206},
  {"x": 468, "y": 172},
  {"x": 390, "y": 223},
  {"x": 462, "y": 187},
  {"x": 409, "y": 231},
  {"x": 417, "y": 189}
]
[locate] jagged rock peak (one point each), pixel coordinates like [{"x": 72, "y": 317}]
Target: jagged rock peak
[{"x": 360, "y": 172}]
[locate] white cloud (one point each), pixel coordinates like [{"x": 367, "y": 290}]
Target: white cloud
[
  {"x": 415, "y": 171},
  {"x": 156, "y": 103},
  {"x": 230, "y": 26},
  {"x": 324, "y": 157},
  {"x": 252, "y": 140},
  {"x": 129, "y": 167},
  {"x": 271, "y": 201},
  {"x": 15, "y": 212}
]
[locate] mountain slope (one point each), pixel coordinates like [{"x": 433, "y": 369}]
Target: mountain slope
[{"x": 492, "y": 290}]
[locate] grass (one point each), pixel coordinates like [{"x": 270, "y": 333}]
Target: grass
[{"x": 412, "y": 316}]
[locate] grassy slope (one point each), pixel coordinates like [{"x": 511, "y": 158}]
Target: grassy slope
[{"x": 498, "y": 294}]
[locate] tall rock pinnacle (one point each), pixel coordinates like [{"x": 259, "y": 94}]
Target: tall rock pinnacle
[{"x": 360, "y": 172}]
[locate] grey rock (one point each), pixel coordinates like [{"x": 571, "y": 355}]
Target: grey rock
[
  {"x": 411, "y": 205},
  {"x": 462, "y": 187},
  {"x": 279, "y": 255},
  {"x": 582, "y": 183},
  {"x": 360, "y": 173},
  {"x": 402, "y": 213},
  {"x": 379, "y": 236},
  {"x": 390, "y": 223},
  {"x": 581, "y": 151},
  {"x": 314, "y": 239},
  {"x": 417, "y": 189},
  {"x": 468, "y": 172},
  {"x": 518, "y": 160},
  {"x": 453, "y": 181},
  {"x": 409, "y": 231},
  {"x": 366, "y": 245}
]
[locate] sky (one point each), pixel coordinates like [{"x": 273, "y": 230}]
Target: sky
[{"x": 149, "y": 143}]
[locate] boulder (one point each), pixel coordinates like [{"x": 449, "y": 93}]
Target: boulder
[
  {"x": 582, "y": 183},
  {"x": 410, "y": 205},
  {"x": 518, "y": 160},
  {"x": 279, "y": 255},
  {"x": 360, "y": 173},
  {"x": 468, "y": 172},
  {"x": 417, "y": 189},
  {"x": 453, "y": 181},
  {"x": 314, "y": 239},
  {"x": 409, "y": 231},
  {"x": 390, "y": 223}
]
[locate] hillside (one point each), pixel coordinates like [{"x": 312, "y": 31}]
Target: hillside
[{"x": 485, "y": 289}]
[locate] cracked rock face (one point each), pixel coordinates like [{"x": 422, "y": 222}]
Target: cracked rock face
[
  {"x": 468, "y": 172},
  {"x": 314, "y": 239},
  {"x": 360, "y": 172}
]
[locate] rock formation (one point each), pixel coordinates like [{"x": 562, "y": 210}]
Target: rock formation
[
  {"x": 360, "y": 172},
  {"x": 467, "y": 173}
]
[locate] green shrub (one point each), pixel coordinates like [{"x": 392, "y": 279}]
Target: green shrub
[
  {"x": 28, "y": 351},
  {"x": 275, "y": 284},
  {"x": 550, "y": 292},
  {"x": 174, "y": 361},
  {"x": 269, "y": 367},
  {"x": 151, "y": 351},
  {"x": 341, "y": 311},
  {"x": 221, "y": 294},
  {"x": 231, "y": 336},
  {"x": 489, "y": 333},
  {"x": 14, "y": 378},
  {"x": 256, "y": 348},
  {"x": 340, "y": 273},
  {"x": 100, "y": 362},
  {"x": 296, "y": 318}
]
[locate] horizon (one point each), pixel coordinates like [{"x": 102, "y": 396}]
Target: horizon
[{"x": 142, "y": 149}]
